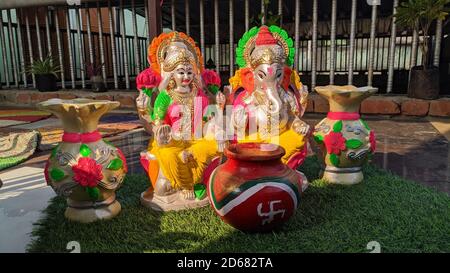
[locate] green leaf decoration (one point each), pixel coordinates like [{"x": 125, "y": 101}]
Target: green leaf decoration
[
  {"x": 353, "y": 143},
  {"x": 54, "y": 150},
  {"x": 115, "y": 164},
  {"x": 337, "y": 127},
  {"x": 85, "y": 151},
  {"x": 334, "y": 160},
  {"x": 57, "y": 174},
  {"x": 109, "y": 143},
  {"x": 200, "y": 191},
  {"x": 94, "y": 192},
  {"x": 147, "y": 91},
  {"x": 318, "y": 139},
  {"x": 290, "y": 43},
  {"x": 162, "y": 103},
  {"x": 365, "y": 124},
  {"x": 214, "y": 89}
]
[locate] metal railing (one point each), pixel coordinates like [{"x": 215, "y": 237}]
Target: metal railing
[
  {"x": 113, "y": 32},
  {"x": 66, "y": 33}
]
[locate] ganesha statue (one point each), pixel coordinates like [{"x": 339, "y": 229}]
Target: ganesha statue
[
  {"x": 267, "y": 95},
  {"x": 179, "y": 103}
]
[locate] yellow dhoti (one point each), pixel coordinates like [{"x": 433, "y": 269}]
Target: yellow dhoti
[
  {"x": 291, "y": 141},
  {"x": 183, "y": 175}
]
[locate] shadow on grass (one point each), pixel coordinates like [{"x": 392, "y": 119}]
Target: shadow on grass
[{"x": 135, "y": 229}]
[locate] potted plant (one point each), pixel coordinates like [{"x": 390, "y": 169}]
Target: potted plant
[
  {"x": 45, "y": 72},
  {"x": 93, "y": 71},
  {"x": 419, "y": 16}
]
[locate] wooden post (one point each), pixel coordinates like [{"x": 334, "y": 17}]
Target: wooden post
[{"x": 154, "y": 22}]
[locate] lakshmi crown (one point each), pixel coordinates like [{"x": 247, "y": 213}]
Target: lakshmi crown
[{"x": 175, "y": 58}]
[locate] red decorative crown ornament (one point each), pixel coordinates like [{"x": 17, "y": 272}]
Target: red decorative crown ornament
[{"x": 265, "y": 37}]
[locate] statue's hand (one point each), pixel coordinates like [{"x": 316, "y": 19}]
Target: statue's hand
[
  {"x": 301, "y": 127},
  {"x": 142, "y": 101},
  {"x": 163, "y": 135},
  {"x": 166, "y": 77},
  {"x": 221, "y": 100}
]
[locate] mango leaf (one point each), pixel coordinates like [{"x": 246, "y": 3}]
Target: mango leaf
[
  {"x": 93, "y": 193},
  {"x": 334, "y": 159},
  {"x": 57, "y": 174},
  {"x": 54, "y": 150},
  {"x": 85, "y": 151},
  {"x": 337, "y": 127},
  {"x": 365, "y": 124},
  {"x": 353, "y": 143},
  {"x": 108, "y": 142},
  {"x": 115, "y": 164},
  {"x": 318, "y": 139}
]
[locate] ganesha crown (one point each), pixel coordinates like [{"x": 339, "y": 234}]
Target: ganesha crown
[{"x": 267, "y": 56}]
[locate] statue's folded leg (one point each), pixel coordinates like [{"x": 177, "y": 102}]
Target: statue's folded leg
[
  {"x": 204, "y": 151},
  {"x": 292, "y": 142},
  {"x": 172, "y": 168}
]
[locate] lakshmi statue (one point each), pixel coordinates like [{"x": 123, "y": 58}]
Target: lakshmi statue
[
  {"x": 177, "y": 103},
  {"x": 268, "y": 97}
]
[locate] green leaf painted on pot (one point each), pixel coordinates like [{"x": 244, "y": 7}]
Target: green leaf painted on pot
[
  {"x": 108, "y": 142},
  {"x": 353, "y": 143},
  {"x": 94, "y": 192},
  {"x": 85, "y": 150},
  {"x": 365, "y": 124},
  {"x": 334, "y": 159},
  {"x": 57, "y": 174},
  {"x": 337, "y": 127},
  {"x": 115, "y": 164},
  {"x": 200, "y": 191},
  {"x": 54, "y": 150},
  {"x": 318, "y": 139}
]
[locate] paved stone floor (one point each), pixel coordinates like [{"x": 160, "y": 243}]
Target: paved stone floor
[
  {"x": 412, "y": 148},
  {"x": 416, "y": 149}
]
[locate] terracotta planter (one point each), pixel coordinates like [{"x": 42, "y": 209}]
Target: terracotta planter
[
  {"x": 346, "y": 141},
  {"x": 46, "y": 82},
  {"x": 253, "y": 190},
  {"x": 98, "y": 85},
  {"x": 424, "y": 83},
  {"x": 83, "y": 167}
]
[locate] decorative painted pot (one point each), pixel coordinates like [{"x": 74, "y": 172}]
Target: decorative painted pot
[
  {"x": 84, "y": 168},
  {"x": 253, "y": 190},
  {"x": 346, "y": 141}
]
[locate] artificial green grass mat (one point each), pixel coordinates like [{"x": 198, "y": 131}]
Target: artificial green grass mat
[{"x": 401, "y": 215}]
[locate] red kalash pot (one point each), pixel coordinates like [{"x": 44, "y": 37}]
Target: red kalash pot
[{"x": 253, "y": 190}]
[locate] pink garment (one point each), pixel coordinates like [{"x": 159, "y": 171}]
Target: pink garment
[{"x": 175, "y": 112}]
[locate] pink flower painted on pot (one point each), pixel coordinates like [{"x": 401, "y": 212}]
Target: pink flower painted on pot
[
  {"x": 148, "y": 79},
  {"x": 210, "y": 77},
  {"x": 335, "y": 143},
  {"x": 373, "y": 141},
  {"x": 87, "y": 172}
]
